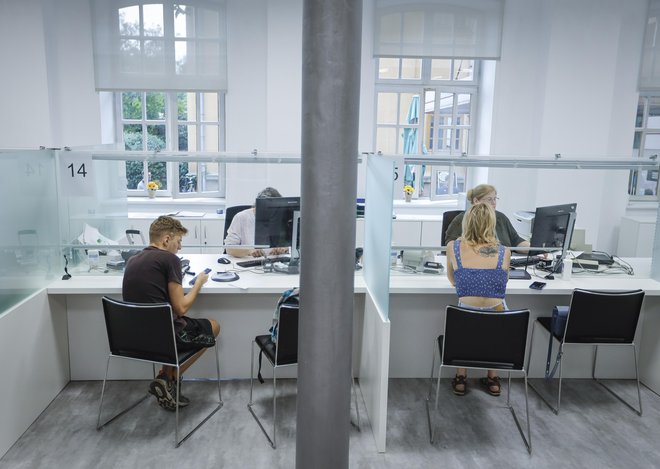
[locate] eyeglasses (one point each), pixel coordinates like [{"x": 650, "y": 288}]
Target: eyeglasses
[{"x": 490, "y": 200}]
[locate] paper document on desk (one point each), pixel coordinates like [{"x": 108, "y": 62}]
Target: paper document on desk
[
  {"x": 184, "y": 213},
  {"x": 92, "y": 235}
]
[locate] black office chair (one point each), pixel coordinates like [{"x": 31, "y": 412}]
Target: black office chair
[
  {"x": 597, "y": 318},
  {"x": 230, "y": 212},
  {"x": 447, "y": 218},
  {"x": 280, "y": 354},
  {"x": 483, "y": 340},
  {"x": 126, "y": 325}
]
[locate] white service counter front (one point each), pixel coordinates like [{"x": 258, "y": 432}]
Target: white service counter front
[{"x": 244, "y": 309}]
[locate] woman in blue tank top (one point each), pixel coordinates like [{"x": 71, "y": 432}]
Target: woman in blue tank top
[{"x": 478, "y": 266}]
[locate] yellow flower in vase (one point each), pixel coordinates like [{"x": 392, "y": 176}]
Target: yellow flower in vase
[
  {"x": 152, "y": 187},
  {"x": 408, "y": 192}
]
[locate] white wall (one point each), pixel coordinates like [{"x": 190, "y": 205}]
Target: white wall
[{"x": 567, "y": 83}]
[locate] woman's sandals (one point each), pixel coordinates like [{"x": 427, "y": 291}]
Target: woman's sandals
[
  {"x": 459, "y": 385},
  {"x": 492, "y": 385}
]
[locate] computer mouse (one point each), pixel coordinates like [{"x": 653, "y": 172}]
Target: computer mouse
[{"x": 224, "y": 260}]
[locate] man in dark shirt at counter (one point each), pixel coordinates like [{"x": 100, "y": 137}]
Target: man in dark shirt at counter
[{"x": 154, "y": 276}]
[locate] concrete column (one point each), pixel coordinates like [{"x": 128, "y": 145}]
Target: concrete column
[{"x": 332, "y": 37}]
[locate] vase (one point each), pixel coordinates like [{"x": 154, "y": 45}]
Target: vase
[
  {"x": 151, "y": 193},
  {"x": 408, "y": 197}
]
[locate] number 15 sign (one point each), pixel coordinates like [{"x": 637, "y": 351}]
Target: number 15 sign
[{"x": 77, "y": 174}]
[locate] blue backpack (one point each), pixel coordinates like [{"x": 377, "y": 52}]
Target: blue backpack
[{"x": 289, "y": 297}]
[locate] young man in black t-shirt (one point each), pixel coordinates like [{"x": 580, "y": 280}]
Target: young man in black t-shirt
[{"x": 154, "y": 276}]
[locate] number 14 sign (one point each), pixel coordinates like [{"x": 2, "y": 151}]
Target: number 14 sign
[{"x": 76, "y": 174}]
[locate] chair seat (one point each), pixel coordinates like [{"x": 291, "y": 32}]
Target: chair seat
[
  {"x": 183, "y": 356},
  {"x": 266, "y": 344}
]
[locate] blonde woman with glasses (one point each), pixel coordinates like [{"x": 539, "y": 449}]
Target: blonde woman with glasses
[
  {"x": 506, "y": 233},
  {"x": 478, "y": 266}
]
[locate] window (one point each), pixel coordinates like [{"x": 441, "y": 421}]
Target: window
[
  {"x": 427, "y": 106},
  {"x": 189, "y": 122},
  {"x": 644, "y": 183}
]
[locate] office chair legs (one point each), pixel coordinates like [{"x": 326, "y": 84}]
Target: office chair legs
[
  {"x": 526, "y": 436},
  {"x": 599, "y": 381},
  {"x": 251, "y": 403},
  {"x": 528, "y": 439},
  {"x": 178, "y": 393},
  {"x": 100, "y": 425},
  {"x": 177, "y": 441},
  {"x": 555, "y": 408}
]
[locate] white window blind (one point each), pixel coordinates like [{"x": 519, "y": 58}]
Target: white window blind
[
  {"x": 150, "y": 45},
  {"x": 438, "y": 29},
  {"x": 649, "y": 72}
]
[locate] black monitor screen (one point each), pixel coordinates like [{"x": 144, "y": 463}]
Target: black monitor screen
[
  {"x": 553, "y": 227},
  {"x": 274, "y": 221}
]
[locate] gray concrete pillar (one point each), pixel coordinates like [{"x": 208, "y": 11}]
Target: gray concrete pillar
[{"x": 332, "y": 37}]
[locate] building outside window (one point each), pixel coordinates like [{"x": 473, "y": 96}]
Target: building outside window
[
  {"x": 175, "y": 121},
  {"x": 643, "y": 184},
  {"x": 427, "y": 106}
]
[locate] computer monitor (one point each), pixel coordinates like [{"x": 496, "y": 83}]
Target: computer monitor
[
  {"x": 274, "y": 220},
  {"x": 295, "y": 237},
  {"x": 553, "y": 228}
]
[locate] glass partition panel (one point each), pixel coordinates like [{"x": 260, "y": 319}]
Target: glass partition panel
[
  {"x": 378, "y": 230},
  {"x": 29, "y": 247},
  {"x": 93, "y": 212}
]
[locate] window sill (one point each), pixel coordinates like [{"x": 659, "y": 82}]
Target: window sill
[{"x": 211, "y": 202}]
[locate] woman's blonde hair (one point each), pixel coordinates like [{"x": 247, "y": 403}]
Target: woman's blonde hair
[
  {"x": 479, "y": 225},
  {"x": 480, "y": 191}
]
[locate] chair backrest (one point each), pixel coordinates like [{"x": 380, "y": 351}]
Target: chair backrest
[
  {"x": 230, "y": 212},
  {"x": 603, "y": 317},
  {"x": 143, "y": 331},
  {"x": 287, "y": 333},
  {"x": 485, "y": 339},
  {"x": 447, "y": 218}
]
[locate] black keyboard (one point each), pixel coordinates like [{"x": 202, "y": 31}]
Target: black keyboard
[
  {"x": 525, "y": 261},
  {"x": 260, "y": 261}
]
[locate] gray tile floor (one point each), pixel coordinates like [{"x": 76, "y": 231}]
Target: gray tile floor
[{"x": 474, "y": 431}]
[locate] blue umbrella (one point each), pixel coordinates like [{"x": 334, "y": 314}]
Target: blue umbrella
[{"x": 410, "y": 139}]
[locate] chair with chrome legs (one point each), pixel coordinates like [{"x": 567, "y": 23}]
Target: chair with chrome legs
[
  {"x": 126, "y": 324},
  {"x": 483, "y": 340},
  {"x": 595, "y": 318},
  {"x": 282, "y": 353}
]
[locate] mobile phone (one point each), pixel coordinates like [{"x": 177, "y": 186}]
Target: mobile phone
[
  {"x": 192, "y": 282},
  {"x": 537, "y": 285}
]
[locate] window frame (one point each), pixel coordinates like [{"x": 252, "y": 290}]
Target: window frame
[
  {"x": 643, "y": 130},
  {"x": 420, "y": 87},
  {"x": 171, "y": 123}
]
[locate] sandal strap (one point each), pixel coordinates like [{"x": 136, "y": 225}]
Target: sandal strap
[{"x": 459, "y": 379}]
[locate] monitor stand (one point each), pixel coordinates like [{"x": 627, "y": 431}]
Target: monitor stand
[{"x": 290, "y": 268}]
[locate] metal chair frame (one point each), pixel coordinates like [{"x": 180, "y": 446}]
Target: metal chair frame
[
  {"x": 181, "y": 360},
  {"x": 563, "y": 343},
  {"x": 275, "y": 365},
  {"x": 439, "y": 348}
]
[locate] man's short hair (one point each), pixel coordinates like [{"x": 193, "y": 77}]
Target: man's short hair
[
  {"x": 165, "y": 225},
  {"x": 268, "y": 192}
]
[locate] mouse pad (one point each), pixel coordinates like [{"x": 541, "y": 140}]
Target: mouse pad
[{"x": 224, "y": 277}]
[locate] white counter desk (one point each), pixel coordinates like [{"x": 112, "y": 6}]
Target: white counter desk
[{"x": 417, "y": 303}]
